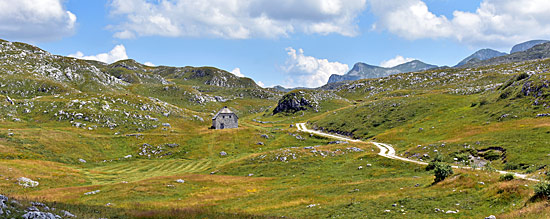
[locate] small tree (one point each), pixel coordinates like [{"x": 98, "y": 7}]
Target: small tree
[
  {"x": 442, "y": 171},
  {"x": 437, "y": 158}
]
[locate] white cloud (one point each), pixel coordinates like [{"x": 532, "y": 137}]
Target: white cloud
[
  {"x": 37, "y": 20},
  {"x": 260, "y": 83},
  {"x": 149, "y": 64},
  {"x": 309, "y": 71},
  {"x": 398, "y": 60},
  {"x": 116, "y": 54},
  {"x": 237, "y": 72},
  {"x": 235, "y": 19},
  {"x": 495, "y": 22}
]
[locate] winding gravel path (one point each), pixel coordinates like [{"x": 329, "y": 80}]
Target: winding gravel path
[{"x": 388, "y": 151}]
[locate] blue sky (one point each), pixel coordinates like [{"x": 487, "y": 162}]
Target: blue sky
[{"x": 285, "y": 42}]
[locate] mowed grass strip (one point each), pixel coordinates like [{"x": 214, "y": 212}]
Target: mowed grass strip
[{"x": 131, "y": 171}]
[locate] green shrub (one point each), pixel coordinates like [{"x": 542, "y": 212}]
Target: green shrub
[
  {"x": 507, "y": 177},
  {"x": 542, "y": 189},
  {"x": 442, "y": 171},
  {"x": 437, "y": 158},
  {"x": 511, "y": 166}
]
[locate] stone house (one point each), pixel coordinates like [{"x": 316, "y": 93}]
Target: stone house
[{"x": 225, "y": 119}]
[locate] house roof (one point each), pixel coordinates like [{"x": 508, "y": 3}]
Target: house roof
[{"x": 225, "y": 110}]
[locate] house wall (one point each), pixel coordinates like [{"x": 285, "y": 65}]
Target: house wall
[{"x": 229, "y": 121}]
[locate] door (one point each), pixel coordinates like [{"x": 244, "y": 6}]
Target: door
[{"x": 222, "y": 126}]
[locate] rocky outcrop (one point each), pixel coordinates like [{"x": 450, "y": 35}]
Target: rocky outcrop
[{"x": 292, "y": 102}]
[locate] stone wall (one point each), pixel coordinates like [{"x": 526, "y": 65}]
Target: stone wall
[{"x": 225, "y": 121}]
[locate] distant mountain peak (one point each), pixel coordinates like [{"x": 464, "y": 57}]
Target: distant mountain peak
[
  {"x": 480, "y": 55},
  {"x": 362, "y": 70},
  {"x": 527, "y": 45}
]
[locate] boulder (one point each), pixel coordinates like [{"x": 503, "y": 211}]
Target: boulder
[
  {"x": 9, "y": 100},
  {"x": 26, "y": 182},
  {"x": 491, "y": 217},
  {"x": 67, "y": 214}
]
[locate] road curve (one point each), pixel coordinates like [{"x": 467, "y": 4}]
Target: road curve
[{"x": 388, "y": 151}]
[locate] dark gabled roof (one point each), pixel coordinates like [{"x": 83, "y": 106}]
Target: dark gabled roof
[{"x": 225, "y": 110}]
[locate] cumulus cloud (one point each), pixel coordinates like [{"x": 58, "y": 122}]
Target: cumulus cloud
[
  {"x": 309, "y": 71},
  {"x": 260, "y": 83},
  {"x": 116, "y": 54},
  {"x": 235, "y": 19},
  {"x": 398, "y": 60},
  {"x": 237, "y": 72},
  {"x": 37, "y": 20},
  {"x": 495, "y": 22}
]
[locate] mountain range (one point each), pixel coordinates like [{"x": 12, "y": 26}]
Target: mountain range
[
  {"x": 481, "y": 57},
  {"x": 362, "y": 71}
]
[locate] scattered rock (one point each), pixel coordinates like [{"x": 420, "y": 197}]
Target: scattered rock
[
  {"x": 92, "y": 192},
  {"x": 38, "y": 215},
  {"x": 264, "y": 136},
  {"x": 394, "y": 205},
  {"x": 481, "y": 183},
  {"x": 172, "y": 145},
  {"x": 82, "y": 160},
  {"x": 360, "y": 167},
  {"x": 128, "y": 156},
  {"x": 180, "y": 181},
  {"x": 491, "y": 217},
  {"x": 369, "y": 165},
  {"x": 67, "y": 214},
  {"x": 32, "y": 208},
  {"x": 260, "y": 143},
  {"x": 166, "y": 125},
  {"x": 354, "y": 149},
  {"x": 312, "y": 205},
  {"x": 250, "y": 174},
  {"x": 26, "y": 182},
  {"x": 223, "y": 153},
  {"x": 451, "y": 212},
  {"x": 387, "y": 211},
  {"x": 338, "y": 142}
]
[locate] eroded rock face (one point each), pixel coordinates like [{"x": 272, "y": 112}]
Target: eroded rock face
[{"x": 292, "y": 102}]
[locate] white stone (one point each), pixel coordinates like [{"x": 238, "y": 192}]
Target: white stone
[{"x": 26, "y": 182}]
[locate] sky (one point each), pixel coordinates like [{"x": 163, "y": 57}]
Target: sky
[{"x": 293, "y": 43}]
